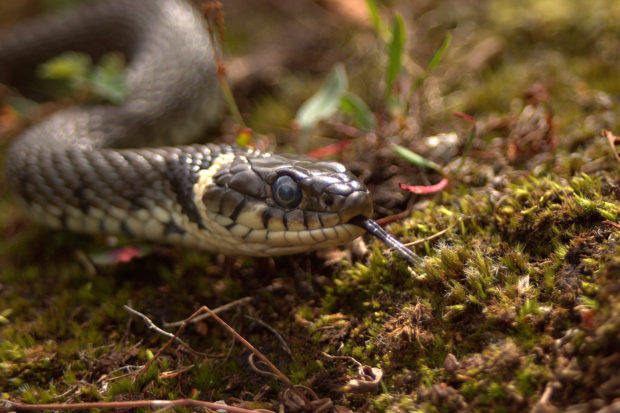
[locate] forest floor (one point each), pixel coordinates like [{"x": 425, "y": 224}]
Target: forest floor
[{"x": 515, "y": 305}]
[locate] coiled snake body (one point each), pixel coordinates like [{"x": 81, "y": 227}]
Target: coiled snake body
[{"x": 76, "y": 170}]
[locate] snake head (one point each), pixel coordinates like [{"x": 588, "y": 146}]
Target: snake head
[{"x": 266, "y": 204}]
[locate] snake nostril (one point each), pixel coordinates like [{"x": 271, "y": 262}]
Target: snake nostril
[{"x": 327, "y": 199}]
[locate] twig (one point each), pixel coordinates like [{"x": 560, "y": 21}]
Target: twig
[
  {"x": 221, "y": 76},
  {"x": 243, "y": 341},
  {"x": 258, "y": 354},
  {"x": 6, "y": 405},
  {"x": 369, "y": 380},
  {"x": 163, "y": 409},
  {"x": 86, "y": 262},
  {"x": 611, "y": 140},
  {"x": 218, "y": 310},
  {"x": 258, "y": 370},
  {"x": 613, "y": 224},
  {"x": 275, "y": 333},
  {"x": 544, "y": 404},
  {"x": 393, "y": 218},
  {"x": 348, "y": 358},
  {"x": 71, "y": 389},
  {"x": 106, "y": 377},
  {"x": 420, "y": 241},
  {"x": 151, "y": 326},
  {"x": 176, "y": 335},
  {"x": 397, "y": 217},
  {"x": 175, "y": 373},
  {"x": 291, "y": 402}
]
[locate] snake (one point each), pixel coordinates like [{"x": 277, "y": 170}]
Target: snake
[{"x": 128, "y": 169}]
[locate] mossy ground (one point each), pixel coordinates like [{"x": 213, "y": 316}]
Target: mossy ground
[{"x": 516, "y": 306}]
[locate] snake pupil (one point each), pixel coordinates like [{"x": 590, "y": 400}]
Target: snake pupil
[{"x": 286, "y": 192}]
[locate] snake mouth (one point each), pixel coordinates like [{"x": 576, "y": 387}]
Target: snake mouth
[{"x": 376, "y": 230}]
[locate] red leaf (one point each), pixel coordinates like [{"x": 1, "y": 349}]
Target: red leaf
[
  {"x": 127, "y": 253},
  {"x": 330, "y": 149},
  {"x": 420, "y": 189},
  {"x": 465, "y": 116}
]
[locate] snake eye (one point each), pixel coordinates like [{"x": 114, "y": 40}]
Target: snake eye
[{"x": 286, "y": 192}]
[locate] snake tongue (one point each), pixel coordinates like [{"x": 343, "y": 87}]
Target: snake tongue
[{"x": 375, "y": 230}]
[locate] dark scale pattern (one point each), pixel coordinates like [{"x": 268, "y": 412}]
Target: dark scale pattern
[
  {"x": 182, "y": 172},
  {"x": 173, "y": 228},
  {"x": 60, "y": 163}
]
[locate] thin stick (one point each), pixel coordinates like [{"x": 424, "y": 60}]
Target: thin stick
[
  {"x": 165, "y": 346},
  {"x": 218, "y": 310},
  {"x": 275, "y": 333},
  {"x": 420, "y": 241},
  {"x": 260, "y": 355},
  {"x": 243, "y": 341},
  {"x": 611, "y": 140},
  {"x": 397, "y": 217},
  {"x": 152, "y": 326},
  {"x": 221, "y": 76},
  {"x": 258, "y": 370},
  {"x": 6, "y": 405},
  {"x": 348, "y": 358}
]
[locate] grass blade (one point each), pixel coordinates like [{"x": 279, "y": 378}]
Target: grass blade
[
  {"x": 325, "y": 101},
  {"x": 396, "y": 49},
  {"x": 363, "y": 118},
  {"x": 439, "y": 54},
  {"x": 414, "y": 158},
  {"x": 376, "y": 20}
]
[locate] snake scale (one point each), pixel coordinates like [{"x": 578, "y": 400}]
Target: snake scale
[{"x": 94, "y": 168}]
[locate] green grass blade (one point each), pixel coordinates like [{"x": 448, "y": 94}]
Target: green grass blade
[
  {"x": 396, "y": 49},
  {"x": 439, "y": 54},
  {"x": 414, "y": 158},
  {"x": 363, "y": 117},
  {"x": 325, "y": 101},
  {"x": 376, "y": 20}
]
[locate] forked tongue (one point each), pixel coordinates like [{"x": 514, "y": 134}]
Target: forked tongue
[{"x": 375, "y": 230}]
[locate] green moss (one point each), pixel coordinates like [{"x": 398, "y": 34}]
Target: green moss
[
  {"x": 381, "y": 403},
  {"x": 121, "y": 387},
  {"x": 531, "y": 379},
  {"x": 206, "y": 376}
]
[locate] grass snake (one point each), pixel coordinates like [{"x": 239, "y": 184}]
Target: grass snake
[{"x": 94, "y": 168}]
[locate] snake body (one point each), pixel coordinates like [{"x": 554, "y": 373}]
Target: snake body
[{"x": 87, "y": 169}]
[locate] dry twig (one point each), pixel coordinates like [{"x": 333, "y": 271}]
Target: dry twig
[
  {"x": 275, "y": 333},
  {"x": 152, "y": 326},
  {"x": 611, "y": 139},
  {"x": 307, "y": 403},
  {"x": 6, "y": 405},
  {"x": 218, "y": 310}
]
